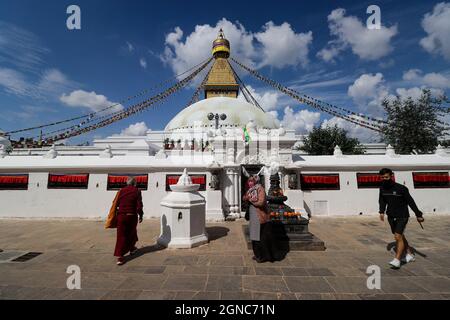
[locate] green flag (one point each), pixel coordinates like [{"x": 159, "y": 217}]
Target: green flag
[{"x": 246, "y": 135}]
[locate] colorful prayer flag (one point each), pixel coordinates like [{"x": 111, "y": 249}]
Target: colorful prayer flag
[{"x": 246, "y": 135}]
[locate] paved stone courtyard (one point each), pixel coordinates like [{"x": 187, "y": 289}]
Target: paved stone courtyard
[{"x": 222, "y": 269}]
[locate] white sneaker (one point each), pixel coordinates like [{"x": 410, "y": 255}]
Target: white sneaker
[
  {"x": 409, "y": 258},
  {"x": 395, "y": 263}
]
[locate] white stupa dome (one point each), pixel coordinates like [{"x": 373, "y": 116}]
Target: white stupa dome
[{"x": 238, "y": 113}]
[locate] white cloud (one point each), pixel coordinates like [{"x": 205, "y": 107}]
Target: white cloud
[
  {"x": 197, "y": 45},
  {"x": 416, "y": 92},
  {"x": 328, "y": 54},
  {"x": 130, "y": 47},
  {"x": 269, "y": 100},
  {"x": 436, "y": 80},
  {"x": 412, "y": 74},
  {"x": 351, "y": 32},
  {"x": 432, "y": 79},
  {"x": 20, "y": 48},
  {"x": 143, "y": 63},
  {"x": 365, "y": 86},
  {"x": 437, "y": 26},
  {"x": 353, "y": 130},
  {"x": 14, "y": 82},
  {"x": 302, "y": 121},
  {"x": 324, "y": 83},
  {"x": 281, "y": 46},
  {"x": 53, "y": 82},
  {"x": 50, "y": 84},
  {"x": 368, "y": 92},
  {"x": 90, "y": 100},
  {"x": 29, "y": 112},
  {"x": 387, "y": 64},
  {"x": 276, "y": 46},
  {"x": 137, "y": 129},
  {"x": 404, "y": 93},
  {"x": 174, "y": 37},
  {"x": 273, "y": 113},
  {"x": 24, "y": 55}
]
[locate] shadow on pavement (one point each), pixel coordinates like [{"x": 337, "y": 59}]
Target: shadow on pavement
[
  {"x": 392, "y": 246},
  {"x": 144, "y": 250},
  {"x": 215, "y": 233}
]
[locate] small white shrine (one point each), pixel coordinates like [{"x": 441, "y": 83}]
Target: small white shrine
[{"x": 183, "y": 216}]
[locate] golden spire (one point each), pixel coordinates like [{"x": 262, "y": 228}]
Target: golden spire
[
  {"x": 221, "y": 81},
  {"x": 221, "y": 46}
]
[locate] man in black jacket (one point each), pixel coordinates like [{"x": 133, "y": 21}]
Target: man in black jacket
[{"x": 397, "y": 199}]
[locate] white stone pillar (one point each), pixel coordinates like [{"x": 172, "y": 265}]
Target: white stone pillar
[
  {"x": 238, "y": 191},
  {"x": 238, "y": 194},
  {"x": 235, "y": 192},
  {"x": 231, "y": 190},
  {"x": 224, "y": 188},
  {"x": 214, "y": 210}
]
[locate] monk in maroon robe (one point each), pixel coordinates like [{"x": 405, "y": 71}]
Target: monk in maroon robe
[{"x": 129, "y": 213}]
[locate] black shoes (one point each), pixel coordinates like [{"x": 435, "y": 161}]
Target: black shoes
[{"x": 259, "y": 260}]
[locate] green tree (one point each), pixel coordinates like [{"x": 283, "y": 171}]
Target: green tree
[
  {"x": 445, "y": 143},
  {"x": 322, "y": 141},
  {"x": 412, "y": 125}
]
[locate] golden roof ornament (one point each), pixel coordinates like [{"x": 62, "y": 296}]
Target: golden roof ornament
[
  {"x": 221, "y": 81},
  {"x": 221, "y": 46}
]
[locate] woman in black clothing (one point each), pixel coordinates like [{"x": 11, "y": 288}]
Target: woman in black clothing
[{"x": 263, "y": 241}]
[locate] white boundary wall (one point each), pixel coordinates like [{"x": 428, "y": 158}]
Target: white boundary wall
[
  {"x": 94, "y": 202},
  {"x": 350, "y": 200},
  {"x": 40, "y": 202}
]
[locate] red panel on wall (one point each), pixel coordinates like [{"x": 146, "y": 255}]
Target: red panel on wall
[
  {"x": 68, "y": 181},
  {"x": 424, "y": 180},
  {"x": 118, "y": 181},
  {"x": 320, "y": 182},
  {"x": 369, "y": 180},
  {"x": 14, "y": 182}
]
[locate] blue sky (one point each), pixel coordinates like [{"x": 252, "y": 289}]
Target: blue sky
[{"x": 322, "y": 48}]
